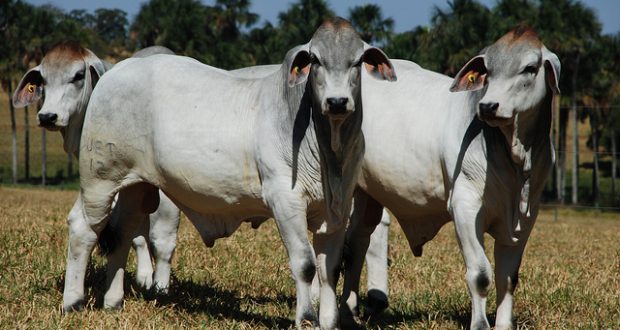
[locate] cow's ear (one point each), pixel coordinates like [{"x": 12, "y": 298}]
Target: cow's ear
[
  {"x": 96, "y": 67},
  {"x": 471, "y": 77},
  {"x": 552, "y": 69},
  {"x": 299, "y": 68},
  {"x": 30, "y": 89},
  {"x": 94, "y": 75},
  {"x": 377, "y": 64}
]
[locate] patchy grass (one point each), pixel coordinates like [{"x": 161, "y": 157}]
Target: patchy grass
[{"x": 570, "y": 277}]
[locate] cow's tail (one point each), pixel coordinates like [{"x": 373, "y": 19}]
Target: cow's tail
[{"x": 109, "y": 239}]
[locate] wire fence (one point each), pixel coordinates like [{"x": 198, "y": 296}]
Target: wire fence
[{"x": 54, "y": 167}]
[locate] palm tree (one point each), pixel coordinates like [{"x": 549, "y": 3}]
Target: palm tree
[{"x": 369, "y": 22}]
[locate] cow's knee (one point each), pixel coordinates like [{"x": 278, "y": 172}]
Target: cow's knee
[
  {"x": 480, "y": 280},
  {"x": 308, "y": 270}
]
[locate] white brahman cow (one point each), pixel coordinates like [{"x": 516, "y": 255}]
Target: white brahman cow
[
  {"x": 226, "y": 149},
  {"x": 474, "y": 149},
  {"x": 67, "y": 75}
]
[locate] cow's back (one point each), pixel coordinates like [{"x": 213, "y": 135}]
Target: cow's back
[{"x": 181, "y": 125}]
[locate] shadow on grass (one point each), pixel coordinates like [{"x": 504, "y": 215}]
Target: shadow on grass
[{"x": 190, "y": 297}]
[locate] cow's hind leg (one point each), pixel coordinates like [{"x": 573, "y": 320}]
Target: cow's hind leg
[
  {"x": 328, "y": 249},
  {"x": 470, "y": 237},
  {"x": 130, "y": 217},
  {"x": 364, "y": 219},
  {"x": 87, "y": 218},
  {"x": 377, "y": 265},
  {"x": 164, "y": 224},
  {"x": 507, "y": 263},
  {"x": 144, "y": 265}
]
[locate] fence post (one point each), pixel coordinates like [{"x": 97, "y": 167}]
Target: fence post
[
  {"x": 26, "y": 145},
  {"x": 613, "y": 158},
  {"x": 13, "y": 133},
  {"x": 43, "y": 156},
  {"x": 594, "y": 117}
]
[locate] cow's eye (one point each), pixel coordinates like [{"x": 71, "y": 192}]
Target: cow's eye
[
  {"x": 78, "y": 76},
  {"x": 532, "y": 69}
]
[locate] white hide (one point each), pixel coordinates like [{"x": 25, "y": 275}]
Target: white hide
[{"x": 440, "y": 162}]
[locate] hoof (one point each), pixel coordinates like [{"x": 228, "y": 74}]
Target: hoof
[
  {"x": 74, "y": 307},
  {"x": 481, "y": 325},
  {"x": 350, "y": 319},
  {"x": 113, "y": 304},
  {"x": 377, "y": 303},
  {"x": 144, "y": 281}
]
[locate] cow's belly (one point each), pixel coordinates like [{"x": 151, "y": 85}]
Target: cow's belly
[{"x": 413, "y": 189}]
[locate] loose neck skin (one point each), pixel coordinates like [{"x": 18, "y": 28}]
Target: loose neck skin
[
  {"x": 72, "y": 133},
  {"x": 340, "y": 167}
]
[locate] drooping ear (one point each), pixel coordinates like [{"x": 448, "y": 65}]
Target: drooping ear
[
  {"x": 471, "y": 77},
  {"x": 378, "y": 64},
  {"x": 552, "y": 69},
  {"x": 30, "y": 88},
  {"x": 96, "y": 67},
  {"x": 298, "y": 63},
  {"x": 94, "y": 75}
]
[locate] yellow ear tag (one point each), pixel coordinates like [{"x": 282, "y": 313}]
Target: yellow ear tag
[
  {"x": 296, "y": 70},
  {"x": 471, "y": 77},
  {"x": 31, "y": 88}
]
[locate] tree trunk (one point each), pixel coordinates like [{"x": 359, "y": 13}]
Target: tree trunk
[
  {"x": 561, "y": 163},
  {"x": 575, "y": 182},
  {"x": 594, "y": 116},
  {"x": 43, "y": 157},
  {"x": 26, "y": 145},
  {"x": 13, "y": 133}
]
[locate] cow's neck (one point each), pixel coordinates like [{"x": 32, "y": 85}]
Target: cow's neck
[
  {"x": 71, "y": 138},
  {"x": 340, "y": 161},
  {"x": 529, "y": 146}
]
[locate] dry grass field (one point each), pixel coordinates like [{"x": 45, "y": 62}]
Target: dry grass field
[{"x": 570, "y": 278}]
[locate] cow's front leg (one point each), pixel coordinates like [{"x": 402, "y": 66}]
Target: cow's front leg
[
  {"x": 290, "y": 214},
  {"x": 163, "y": 233},
  {"x": 507, "y": 263},
  {"x": 364, "y": 219},
  {"x": 328, "y": 249},
  {"x": 469, "y": 232}
]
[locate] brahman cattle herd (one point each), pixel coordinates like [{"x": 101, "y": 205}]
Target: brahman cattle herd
[{"x": 325, "y": 142}]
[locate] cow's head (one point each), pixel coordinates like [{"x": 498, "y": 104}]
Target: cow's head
[
  {"x": 332, "y": 62},
  {"x": 516, "y": 72},
  {"x": 66, "y": 76}
]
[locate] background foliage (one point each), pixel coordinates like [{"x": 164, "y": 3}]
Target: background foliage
[{"x": 227, "y": 35}]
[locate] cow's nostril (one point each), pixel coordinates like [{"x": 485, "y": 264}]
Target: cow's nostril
[
  {"x": 337, "y": 101},
  {"x": 488, "y": 108},
  {"x": 337, "y": 105},
  {"x": 47, "y": 119}
]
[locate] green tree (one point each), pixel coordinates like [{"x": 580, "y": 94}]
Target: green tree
[{"x": 369, "y": 22}]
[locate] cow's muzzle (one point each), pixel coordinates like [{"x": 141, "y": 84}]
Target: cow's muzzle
[
  {"x": 337, "y": 106},
  {"x": 490, "y": 114},
  {"x": 488, "y": 110},
  {"x": 47, "y": 120}
]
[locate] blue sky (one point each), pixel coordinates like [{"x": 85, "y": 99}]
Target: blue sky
[{"x": 407, "y": 14}]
